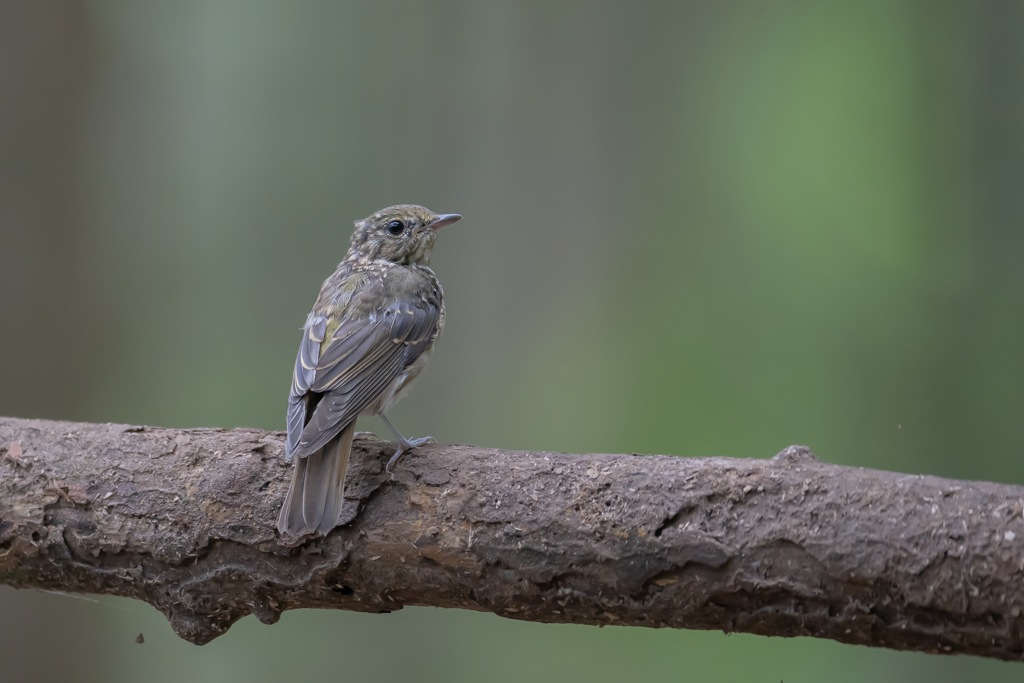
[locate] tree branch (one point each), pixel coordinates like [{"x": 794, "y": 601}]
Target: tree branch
[{"x": 185, "y": 520}]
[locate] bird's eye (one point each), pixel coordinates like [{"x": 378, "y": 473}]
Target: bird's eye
[{"x": 396, "y": 228}]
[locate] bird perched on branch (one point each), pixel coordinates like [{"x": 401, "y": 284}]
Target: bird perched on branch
[{"x": 368, "y": 336}]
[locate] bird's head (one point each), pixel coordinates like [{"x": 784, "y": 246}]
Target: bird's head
[{"x": 402, "y": 234}]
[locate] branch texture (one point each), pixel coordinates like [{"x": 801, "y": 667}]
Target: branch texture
[{"x": 185, "y": 520}]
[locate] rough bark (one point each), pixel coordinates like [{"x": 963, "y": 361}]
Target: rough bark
[{"x": 185, "y": 520}]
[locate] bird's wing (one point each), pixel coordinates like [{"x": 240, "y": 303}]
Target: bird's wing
[
  {"x": 300, "y": 400},
  {"x": 339, "y": 378}
]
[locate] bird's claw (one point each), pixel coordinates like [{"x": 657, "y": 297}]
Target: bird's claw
[{"x": 404, "y": 447}]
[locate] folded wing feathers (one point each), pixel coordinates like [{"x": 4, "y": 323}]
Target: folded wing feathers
[{"x": 381, "y": 349}]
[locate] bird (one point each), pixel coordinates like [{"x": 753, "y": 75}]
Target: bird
[{"x": 369, "y": 334}]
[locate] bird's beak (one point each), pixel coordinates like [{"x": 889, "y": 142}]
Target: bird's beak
[{"x": 443, "y": 220}]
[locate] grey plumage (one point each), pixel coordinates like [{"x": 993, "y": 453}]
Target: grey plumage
[{"x": 368, "y": 336}]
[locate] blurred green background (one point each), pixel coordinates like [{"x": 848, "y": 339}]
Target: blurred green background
[{"x": 690, "y": 227}]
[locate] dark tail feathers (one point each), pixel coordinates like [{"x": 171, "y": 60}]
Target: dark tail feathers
[{"x": 316, "y": 494}]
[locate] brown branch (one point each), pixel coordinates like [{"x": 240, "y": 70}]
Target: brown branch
[{"x": 184, "y": 519}]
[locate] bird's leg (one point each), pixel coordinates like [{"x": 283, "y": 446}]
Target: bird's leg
[{"x": 404, "y": 444}]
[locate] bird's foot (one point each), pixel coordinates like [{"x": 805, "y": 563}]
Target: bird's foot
[{"x": 407, "y": 445}]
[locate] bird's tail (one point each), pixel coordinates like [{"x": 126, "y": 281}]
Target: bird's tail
[{"x": 315, "y": 496}]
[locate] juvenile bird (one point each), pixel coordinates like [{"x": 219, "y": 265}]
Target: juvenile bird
[{"x": 368, "y": 336}]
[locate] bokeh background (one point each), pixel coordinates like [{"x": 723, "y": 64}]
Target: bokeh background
[{"x": 692, "y": 228}]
